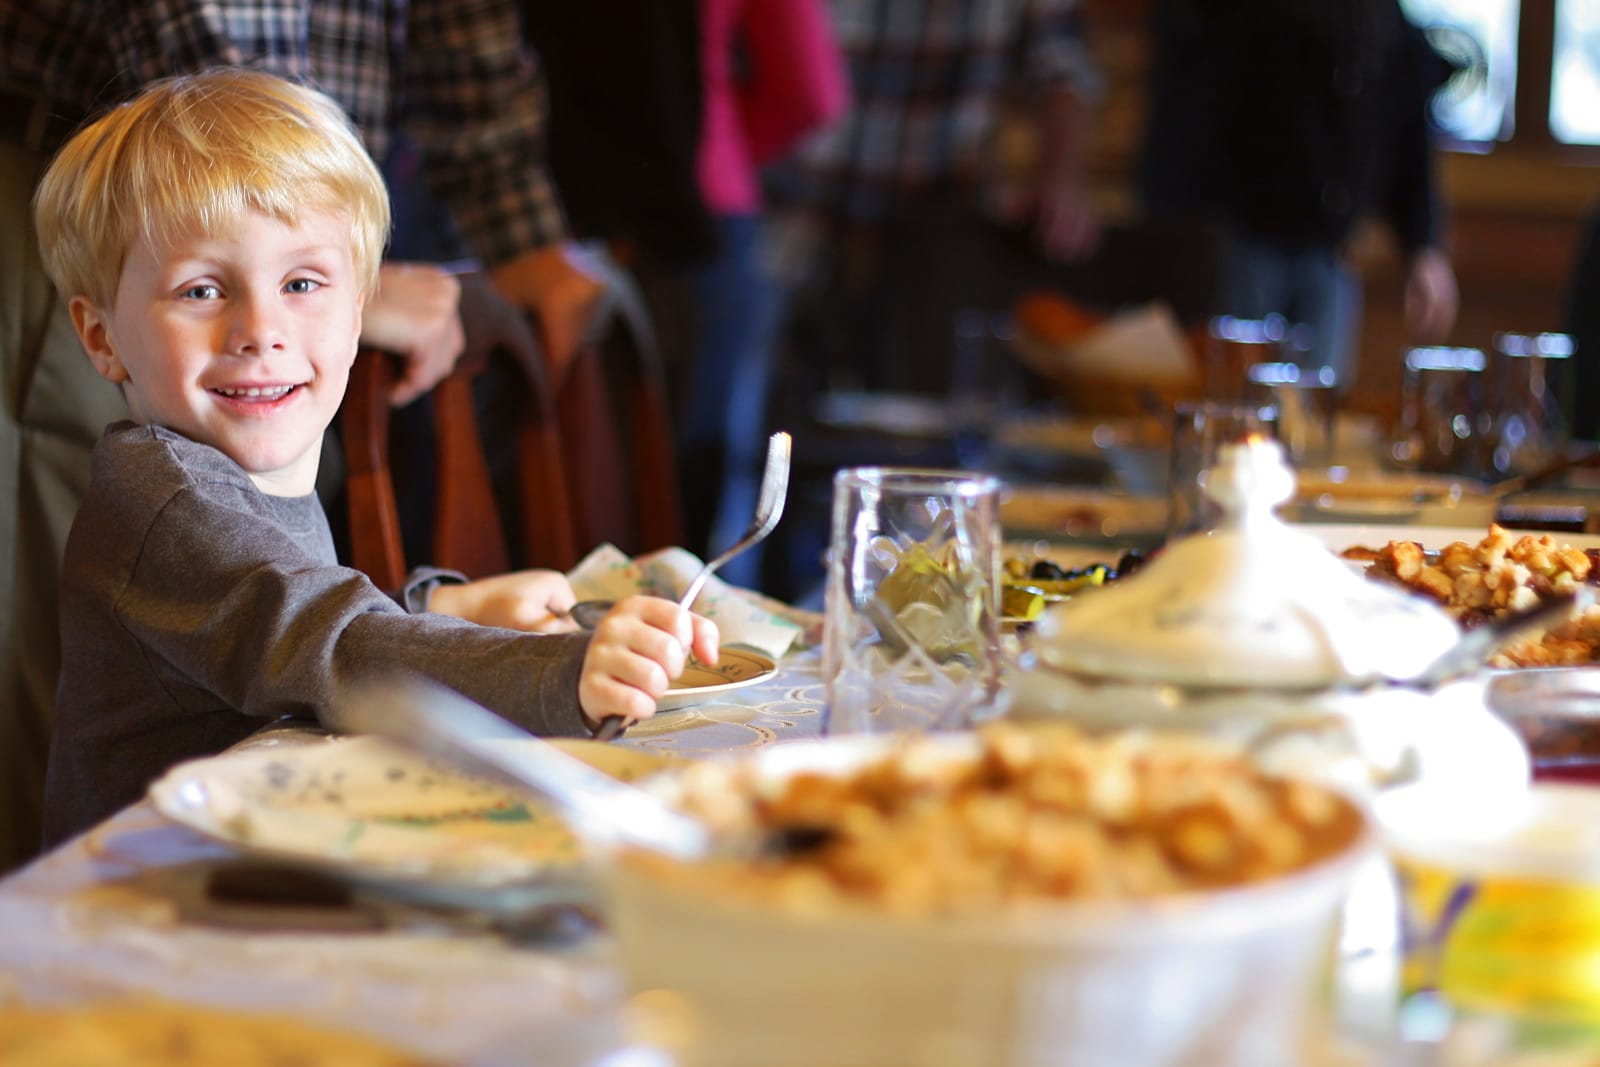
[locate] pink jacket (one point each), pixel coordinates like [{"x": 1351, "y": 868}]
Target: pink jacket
[{"x": 793, "y": 84}]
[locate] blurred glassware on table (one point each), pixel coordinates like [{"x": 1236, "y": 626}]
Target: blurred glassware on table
[
  {"x": 1301, "y": 403},
  {"x": 1530, "y": 429},
  {"x": 1556, "y": 711},
  {"x": 1444, "y": 424},
  {"x": 1234, "y": 345},
  {"x": 911, "y": 633},
  {"x": 1200, "y": 430}
]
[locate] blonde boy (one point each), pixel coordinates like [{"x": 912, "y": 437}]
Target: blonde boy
[{"x": 216, "y": 239}]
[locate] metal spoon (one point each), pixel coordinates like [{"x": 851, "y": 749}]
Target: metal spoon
[
  {"x": 427, "y": 717},
  {"x": 769, "y": 509},
  {"x": 1475, "y": 646}
]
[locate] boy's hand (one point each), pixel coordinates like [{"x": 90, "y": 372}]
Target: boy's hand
[
  {"x": 638, "y": 648},
  {"x": 416, "y": 315},
  {"x": 536, "y": 601}
]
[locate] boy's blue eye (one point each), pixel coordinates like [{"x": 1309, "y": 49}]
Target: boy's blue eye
[
  {"x": 201, "y": 292},
  {"x": 303, "y": 285}
]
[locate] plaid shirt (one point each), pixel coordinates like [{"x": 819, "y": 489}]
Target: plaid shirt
[
  {"x": 452, "y": 73},
  {"x": 928, "y": 78}
]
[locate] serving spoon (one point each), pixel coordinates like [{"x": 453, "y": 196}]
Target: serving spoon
[
  {"x": 427, "y": 717},
  {"x": 1477, "y": 644}
]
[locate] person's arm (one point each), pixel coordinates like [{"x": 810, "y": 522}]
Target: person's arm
[
  {"x": 797, "y": 81},
  {"x": 1059, "y": 73},
  {"x": 476, "y": 109},
  {"x": 284, "y": 627},
  {"x": 1413, "y": 202}
]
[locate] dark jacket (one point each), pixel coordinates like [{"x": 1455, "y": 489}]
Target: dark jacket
[{"x": 1290, "y": 120}]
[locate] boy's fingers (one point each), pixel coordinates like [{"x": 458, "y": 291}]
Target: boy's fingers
[
  {"x": 606, "y": 697},
  {"x": 707, "y": 640}
]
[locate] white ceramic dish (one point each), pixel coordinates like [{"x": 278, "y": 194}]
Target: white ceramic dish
[
  {"x": 1185, "y": 981},
  {"x": 736, "y": 668},
  {"x": 1253, "y": 633},
  {"x": 382, "y": 817}
]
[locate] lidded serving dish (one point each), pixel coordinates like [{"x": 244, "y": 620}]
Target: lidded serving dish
[{"x": 1253, "y": 632}]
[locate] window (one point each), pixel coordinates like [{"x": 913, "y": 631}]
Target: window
[
  {"x": 1480, "y": 38},
  {"x": 1575, "y": 73},
  {"x": 1529, "y": 74}
]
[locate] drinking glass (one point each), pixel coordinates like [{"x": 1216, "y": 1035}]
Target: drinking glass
[
  {"x": 1301, "y": 402},
  {"x": 1200, "y": 429},
  {"x": 1234, "y": 346},
  {"x": 911, "y": 637},
  {"x": 1443, "y": 423},
  {"x": 1529, "y": 428}
]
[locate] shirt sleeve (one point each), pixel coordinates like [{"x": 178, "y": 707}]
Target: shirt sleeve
[
  {"x": 228, "y": 603},
  {"x": 474, "y": 104},
  {"x": 797, "y": 80}
]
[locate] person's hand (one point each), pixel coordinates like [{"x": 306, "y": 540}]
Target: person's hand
[
  {"x": 1431, "y": 298},
  {"x": 536, "y": 601},
  {"x": 415, "y": 314},
  {"x": 562, "y": 290},
  {"x": 1065, "y": 223},
  {"x": 638, "y": 649}
]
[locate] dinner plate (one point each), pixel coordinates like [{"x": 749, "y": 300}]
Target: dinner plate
[
  {"x": 377, "y": 815},
  {"x": 1081, "y": 514},
  {"x": 736, "y": 668},
  {"x": 1390, "y": 497}
]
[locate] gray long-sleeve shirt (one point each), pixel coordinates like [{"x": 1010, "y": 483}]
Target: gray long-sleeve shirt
[{"x": 194, "y": 608}]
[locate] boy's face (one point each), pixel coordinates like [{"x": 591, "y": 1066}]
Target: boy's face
[{"x": 242, "y": 341}]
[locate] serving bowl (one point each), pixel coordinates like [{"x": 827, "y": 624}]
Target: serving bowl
[
  {"x": 1254, "y": 634},
  {"x": 1212, "y": 976}
]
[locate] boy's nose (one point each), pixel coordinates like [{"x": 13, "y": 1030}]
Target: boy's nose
[{"x": 254, "y": 328}]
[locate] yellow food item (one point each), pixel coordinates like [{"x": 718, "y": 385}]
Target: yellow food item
[
  {"x": 1021, "y": 602},
  {"x": 147, "y": 1033}
]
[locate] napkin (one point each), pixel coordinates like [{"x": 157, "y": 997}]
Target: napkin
[
  {"x": 743, "y": 616},
  {"x": 1143, "y": 345}
]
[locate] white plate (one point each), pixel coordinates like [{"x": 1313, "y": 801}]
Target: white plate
[
  {"x": 1085, "y": 514},
  {"x": 378, "y": 815},
  {"x": 736, "y": 668}
]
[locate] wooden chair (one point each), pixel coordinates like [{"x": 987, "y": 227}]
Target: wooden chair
[
  {"x": 477, "y": 529},
  {"x": 616, "y": 429}
]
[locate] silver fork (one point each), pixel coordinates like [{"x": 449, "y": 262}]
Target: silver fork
[{"x": 769, "y": 509}]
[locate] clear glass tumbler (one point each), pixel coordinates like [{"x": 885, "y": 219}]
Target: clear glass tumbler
[
  {"x": 1444, "y": 424},
  {"x": 911, "y": 636},
  {"x": 1302, "y": 403},
  {"x": 1530, "y": 430},
  {"x": 1199, "y": 430}
]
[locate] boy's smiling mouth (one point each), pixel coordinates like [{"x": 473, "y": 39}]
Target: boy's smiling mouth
[{"x": 255, "y": 394}]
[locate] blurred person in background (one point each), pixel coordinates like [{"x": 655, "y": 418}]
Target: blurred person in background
[
  {"x": 452, "y": 73},
  {"x": 658, "y": 136},
  {"x": 902, "y": 223},
  {"x": 1285, "y": 124},
  {"x": 886, "y": 231}
]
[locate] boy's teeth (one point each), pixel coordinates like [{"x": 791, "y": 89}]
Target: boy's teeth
[{"x": 272, "y": 391}]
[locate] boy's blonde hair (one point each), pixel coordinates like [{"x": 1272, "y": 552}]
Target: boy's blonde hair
[{"x": 198, "y": 153}]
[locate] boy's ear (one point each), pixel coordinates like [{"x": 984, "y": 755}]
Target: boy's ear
[{"x": 94, "y": 333}]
